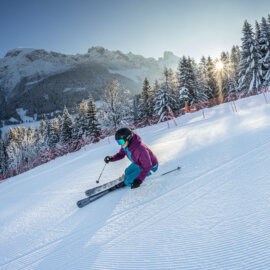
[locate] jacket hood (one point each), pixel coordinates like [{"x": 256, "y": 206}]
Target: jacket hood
[{"x": 135, "y": 142}]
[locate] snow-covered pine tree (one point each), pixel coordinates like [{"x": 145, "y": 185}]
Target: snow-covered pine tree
[
  {"x": 66, "y": 127},
  {"x": 24, "y": 145},
  {"x": 155, "y": 93},
  {"x": 234, "y": 69},
  {"x": 55, "y": 137},
  {"x": 173, "y": 85},
  {"x": 182, "y": 81},
  {"x": 31, "y": 144},
  {"x": 146, "y": 104},
  {"x": 225, "y": 72},
  {"x": 204, "y": 79},
  {"x": 250, "y": 67},
  {"x": 201, "y": 91},
  {"x": 203, "y": 70},
  {"x": 81, "y": 123},
  {"x": 93, "y": 124},
  {"x": 3, "y": 158},
  {"x": 42, "y": 127},
  {"x": 60, "y": 121},
  {"x": 264, "y": 46},
  {"x": 212, "y": 84},
  {"x": 76, "y": 132},
  {"x": 188, "y": 82},
  {"x": 48, "y": 133},
  {"x": 156, "y": 87},
  {"x": 165, "y": 98},
  {"x": 257, "y": 31},
  {"x": 136, "y": 107},
  {"x": 39, "y": 137},
  {"x": 12, "y": 148}
]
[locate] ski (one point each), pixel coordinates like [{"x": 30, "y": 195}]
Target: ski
[
  {"x": 87, "y": 200},
  {"x": 99, "y": 189}
]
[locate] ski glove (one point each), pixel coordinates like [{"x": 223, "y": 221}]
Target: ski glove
[
  {"x": 107, "y": 159},
  {"x": 136, "y": 183}
]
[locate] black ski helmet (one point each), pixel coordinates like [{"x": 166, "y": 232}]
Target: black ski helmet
[{"x": 124, "y": 133}]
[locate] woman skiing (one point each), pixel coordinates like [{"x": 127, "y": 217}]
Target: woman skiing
[{"x": 142, "y": 158}]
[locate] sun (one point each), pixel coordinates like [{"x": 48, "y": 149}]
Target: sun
[{"x": 219, "y": 65}]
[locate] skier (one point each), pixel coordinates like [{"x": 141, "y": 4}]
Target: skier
[{"x": 142, "y": 158}]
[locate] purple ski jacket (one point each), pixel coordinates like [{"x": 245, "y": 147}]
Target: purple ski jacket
[{"x": 140, "y": 155}]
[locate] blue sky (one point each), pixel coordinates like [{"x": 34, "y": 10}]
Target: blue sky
[{"x": 146, "y": 27}]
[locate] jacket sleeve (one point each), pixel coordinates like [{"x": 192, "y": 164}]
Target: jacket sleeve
[
  {"x": 121, "y": 154},
  {"x": 145, "y": 162}
]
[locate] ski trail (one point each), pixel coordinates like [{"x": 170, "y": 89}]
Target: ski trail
[
  {"x": 213, "y": 214},
  {"x": 153, "y": 218}
]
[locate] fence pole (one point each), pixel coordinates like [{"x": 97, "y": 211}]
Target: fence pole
[
  {"x": 170, "y": 112},
  {"x": 167, "y": 120},
  {"x": 234, "y": 106},
  {"x": 203, "y": 114},
  {"x": 202, "y": 111},
  {"x": 265, "y": 98},
  {"x": 186, "y": 107}
]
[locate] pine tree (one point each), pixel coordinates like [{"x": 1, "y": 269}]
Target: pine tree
[
  {"x": 42, "y": 127},
  {"x": 264, "y": 46},
  {"x": 250, "y": 68},
  {"x": 189, "y": 84},
  {"x": 204, "y": 79},
  {"x": 136, "y": 107},
  {"x": 93, "y": 124},
  {"x": 31, "y": 143},
  {"x": 146, "y": 106},
  {"x": 212, "y": 84},
  {"x": 60, "y": 121},
  {"x": 225, "y": 72},
  {"x": 84, "y": 118},
  {"x": 165, "y": 99},
  {"x": 257, "y": 32},
  {"x": 80, "y": 126},
  {"x": 3, "y": 158},
  {"x": 55, "y": 135},
  {"x": 234, "y": 69},
  {"x": 66, "y": 127},
  {"x": 12, "y": 148},
  {"x": 48, "y": 133}
]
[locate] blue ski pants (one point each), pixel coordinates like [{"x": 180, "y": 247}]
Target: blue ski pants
[{"x": 133, "y": 170}]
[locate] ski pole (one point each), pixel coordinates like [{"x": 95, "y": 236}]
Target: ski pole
[
  {"x": 178, "y": 168},
  {"x": 101, "y": 173}
]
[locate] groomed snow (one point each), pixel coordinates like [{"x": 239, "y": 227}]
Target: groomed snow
[{"x": 213, "y": 214}]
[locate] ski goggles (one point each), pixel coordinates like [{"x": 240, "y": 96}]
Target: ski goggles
[{"x": 121, "y": 142}]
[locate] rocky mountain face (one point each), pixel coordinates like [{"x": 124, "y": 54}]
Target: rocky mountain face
[{"x": 42, "y": 82}]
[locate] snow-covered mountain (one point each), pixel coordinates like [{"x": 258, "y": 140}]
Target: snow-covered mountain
[
  {"x": 42, "y": 82},
  {"x": 213, "y": 214}
]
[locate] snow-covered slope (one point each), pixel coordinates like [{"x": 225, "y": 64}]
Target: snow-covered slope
[{"x": 213, "y": 214}]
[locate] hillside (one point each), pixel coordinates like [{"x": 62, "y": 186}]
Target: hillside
[
  {"x": 213, "y": 214},
  {"x": 43, "y": 82}
]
